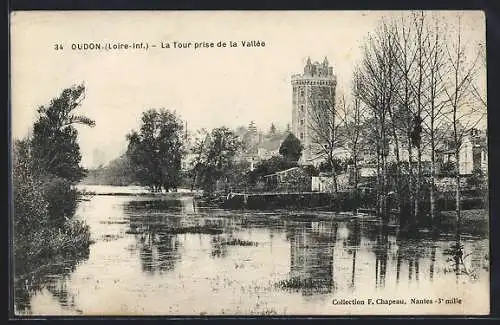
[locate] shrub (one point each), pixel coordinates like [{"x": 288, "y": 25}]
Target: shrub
[{"x": 61, "y": 198}]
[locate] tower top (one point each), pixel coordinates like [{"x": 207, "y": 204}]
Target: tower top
[{"x": 317, "y": 69}]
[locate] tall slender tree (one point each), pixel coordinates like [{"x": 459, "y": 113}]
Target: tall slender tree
[{"x": 465, "y": 114}]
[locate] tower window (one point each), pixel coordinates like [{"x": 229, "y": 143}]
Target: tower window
[
  {"x": 302, "y": 108},
  {"x": 301, "y": 136},
  {"x": 301, "y": 122},
  {"x": 302, "y": 93}
]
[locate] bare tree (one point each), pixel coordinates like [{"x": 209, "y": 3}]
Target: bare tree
[
  {"x": 419, "y": 89},
  {"x": 465, "y": 114},
  {"x": 377, "y": 85},
  {"x": 402, "y": 115},
  {"x": 323, "y": 125},
  {"x": 478, "y": 91},
  {"x": 352, "y": 121},
  {"x": 436, "y": 109}
]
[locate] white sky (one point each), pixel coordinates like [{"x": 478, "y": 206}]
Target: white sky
[{"x": 207, "y": 87}]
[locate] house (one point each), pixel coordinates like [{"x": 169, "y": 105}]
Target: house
[
  {"x": 259, "y": 146},
  {"x": 473, "y": 153},
  {"x": 269, "y": 147}
]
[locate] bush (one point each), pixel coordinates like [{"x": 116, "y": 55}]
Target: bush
[
  {"x": 61, "y": 198},
  {"x": 43, "y": 210}
]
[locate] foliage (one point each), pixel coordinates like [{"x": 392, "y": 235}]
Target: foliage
[
  {"x": 239, "y": 175},
  {"x": 61, "y": 197},
  {"x": 54, "y": 142},
  {"x": 155, "y": 152},
  {"x": 311, "y": 170},
  {"x": 216, "y": 158},
  {"x": 43, "y": 211},
  {"x": 45, "y": 168},
  {"x": 30, "y": 205},
  {"x": 477, "y": 179},
  {"x": 118, "y": 172},
  {"x": 270, "y": 166},
  {"x": 339, "y": 165},
  {"x": 291, "y": 148}
]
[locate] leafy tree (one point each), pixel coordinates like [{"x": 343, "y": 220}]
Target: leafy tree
[
  {"x": 30, "y": 206},
  {"x": 117, "y": 172},
  {"x": 291, "y": 148},
  {"x": 270, "y": 166},
  {"x": 217, "y": 158},
  {"x": 54, "y": 142},
  {"x": 45, "y": 168},
  {"x": 156, "y": 150}
]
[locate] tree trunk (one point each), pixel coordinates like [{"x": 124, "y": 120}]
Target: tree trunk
[
  {"x": 418, "y": 186},
  {"x": 458, "y": 196},
  {"x": 410, "y": 199},
  {"x": 432, "y": 194},
  {"x": 355, "y": 164}
]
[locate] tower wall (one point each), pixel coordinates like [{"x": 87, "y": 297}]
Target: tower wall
[{"x": 316, "y": 83}]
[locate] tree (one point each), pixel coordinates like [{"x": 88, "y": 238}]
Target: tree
[
  {"x": 376, "y": 81},
  {"x": 270, "y": 166},
  {"x": 323, "y": 125},
  {"x": 436, "y": 109},
  {"x": 461, "y": 98},
  {"x": 117, "y": 172},
  {"x": 272, "y": 129},
  {"x": 217, "y": 158},
  {"x": 156, "y": 151},
  {"x": 45, "y": 168},
  {"x": 201, "y": 142},
  {"x": 54, "y": 142},
  {"x": 30, "y": 205},
  {"x": 353, "y": 123},
  {"x": 291, "y": 148}
]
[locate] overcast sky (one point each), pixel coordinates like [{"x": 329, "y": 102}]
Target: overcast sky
[{"x": 207, "y": 87}]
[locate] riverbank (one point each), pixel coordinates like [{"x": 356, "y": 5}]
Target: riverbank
[{"x": 109, "y": 190}]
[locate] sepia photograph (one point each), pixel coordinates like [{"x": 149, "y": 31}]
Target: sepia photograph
[{"x": 246, "y": 163}]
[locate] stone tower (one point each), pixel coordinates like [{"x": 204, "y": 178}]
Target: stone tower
[{"x": 316, "y": 84}]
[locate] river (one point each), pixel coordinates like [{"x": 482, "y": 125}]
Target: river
[{"x": 161, "y": 255}]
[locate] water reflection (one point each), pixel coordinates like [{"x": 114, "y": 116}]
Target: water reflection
[
  {"x": 178, "y": 257},
  {"x": 49, "y": 275},
  {"x": 311, "y": 256},
  {"x": 352, "y": 245}
]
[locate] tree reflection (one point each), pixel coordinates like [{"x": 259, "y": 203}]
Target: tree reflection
[
  {"x": 219, "y": 249},
  {"x": 158, "y": 248},
  {"x": 159, "y": 252},
  {"x": 311, "y": 256},
  {"x": 381, "y": 255},
  {"x": 48, "y": 274},
  {"x": 353, "y": 242}
]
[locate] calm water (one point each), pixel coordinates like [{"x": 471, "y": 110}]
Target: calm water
[{"x": 169, "y": 257}]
